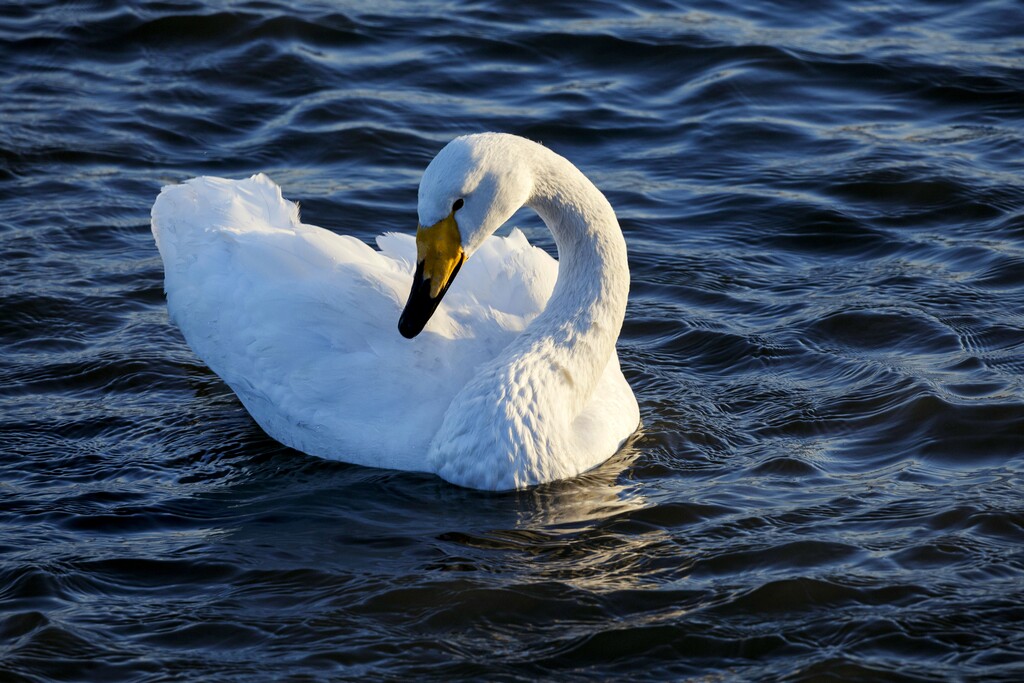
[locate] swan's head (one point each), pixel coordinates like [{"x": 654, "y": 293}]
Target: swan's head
[{"x": 468, "y": 191}]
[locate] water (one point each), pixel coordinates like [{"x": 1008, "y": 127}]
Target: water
[{"x": 825, "y": 214}]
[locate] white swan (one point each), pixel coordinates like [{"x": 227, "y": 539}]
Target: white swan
[{"x": 500, "y": 391}]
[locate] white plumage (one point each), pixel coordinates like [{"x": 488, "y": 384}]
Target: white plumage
[{"x": 301, "y": 323}]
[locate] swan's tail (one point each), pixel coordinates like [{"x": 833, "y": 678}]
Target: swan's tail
[{"x": 185, "y": 216}]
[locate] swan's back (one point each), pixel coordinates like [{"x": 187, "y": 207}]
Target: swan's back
[{"x": 301, "y": 323}]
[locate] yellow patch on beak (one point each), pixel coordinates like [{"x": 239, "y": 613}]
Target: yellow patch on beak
[{"x": 439, "y": 249}]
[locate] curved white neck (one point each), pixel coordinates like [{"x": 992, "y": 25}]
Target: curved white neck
[
  {"x": 514, "y": 423},
  {"x": 574, "y": 337}
]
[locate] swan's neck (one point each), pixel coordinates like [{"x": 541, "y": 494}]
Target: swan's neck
[
  {"x": 513, "y": 424},
  {"x": 578, "y": 328}
]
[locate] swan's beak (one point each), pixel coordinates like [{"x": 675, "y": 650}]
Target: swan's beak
[{"x": 439, "y": 256}]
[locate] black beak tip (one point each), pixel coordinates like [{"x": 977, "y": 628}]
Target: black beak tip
[
  {"x": 421, "y": 305},
  {"x": 407, "y": 328}
]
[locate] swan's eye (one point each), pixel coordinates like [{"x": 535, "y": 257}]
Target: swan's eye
[{"x": 457, "y": 205}]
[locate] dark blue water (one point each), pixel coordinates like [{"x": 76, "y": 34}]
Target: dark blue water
[{"x": 824, "y": 206}]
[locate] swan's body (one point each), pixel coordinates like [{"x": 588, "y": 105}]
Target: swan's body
[{"x": 515, "y": 380}]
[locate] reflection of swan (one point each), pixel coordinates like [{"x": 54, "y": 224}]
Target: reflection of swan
[
  {"x": 499, "y": 392},
  {"x": 584, "y": 501}
]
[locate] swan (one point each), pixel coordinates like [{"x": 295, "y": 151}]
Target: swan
[{"x": 513, "y": 382}]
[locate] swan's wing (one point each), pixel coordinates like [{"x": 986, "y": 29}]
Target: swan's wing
[
  {"x": 302, "y": 323},
  {"x": 290, "y": 316}
]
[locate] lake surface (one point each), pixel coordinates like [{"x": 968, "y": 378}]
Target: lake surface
[{"x": 824, "y": 206}]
